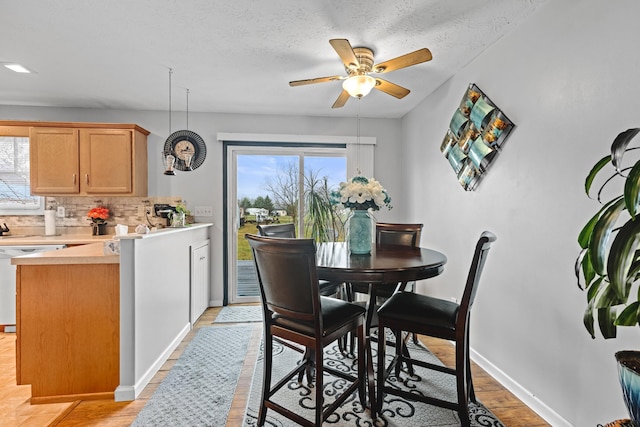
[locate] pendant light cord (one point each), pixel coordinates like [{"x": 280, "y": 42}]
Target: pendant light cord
[
  {"x": 170, "y": 73},
  {"x": 187, "y": 109}
]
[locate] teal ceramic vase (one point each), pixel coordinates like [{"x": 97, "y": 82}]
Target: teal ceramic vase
[
  {"x": 628, "y": 372},
  {"x": 360, "y": 226}
]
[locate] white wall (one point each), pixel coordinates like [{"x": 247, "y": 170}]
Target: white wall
[
  {"x": 568, "y": 78},
  {"x": 203, "y": 187}
]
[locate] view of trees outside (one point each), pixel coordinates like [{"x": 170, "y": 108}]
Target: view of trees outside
[
  {"x": 277, "y": 190},
  {"x": 14, "y": 173}
]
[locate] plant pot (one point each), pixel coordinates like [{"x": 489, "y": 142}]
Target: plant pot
[
  {"x": 98, "y": 229},
  {"x": 360, "y": 226},
  {"x": 629, "y": 375}
]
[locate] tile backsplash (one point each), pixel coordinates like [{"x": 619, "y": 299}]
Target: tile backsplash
[{"x": 122, "y": 210}]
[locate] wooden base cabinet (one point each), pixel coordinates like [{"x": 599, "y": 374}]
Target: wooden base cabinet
[
  {"x": 68, "y": 331},
  {"x": 88, "y": 159}
]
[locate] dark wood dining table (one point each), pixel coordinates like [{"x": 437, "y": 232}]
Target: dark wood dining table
[{"x": 387, "y": 265}]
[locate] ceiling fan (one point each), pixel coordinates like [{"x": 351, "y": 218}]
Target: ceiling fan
[{"x": 358, "y": 62}]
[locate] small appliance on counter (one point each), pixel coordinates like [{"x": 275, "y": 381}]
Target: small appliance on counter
[{"x": 163, "y": 210}]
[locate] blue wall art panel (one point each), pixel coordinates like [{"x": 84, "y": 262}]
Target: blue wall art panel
[{"x": 476, "y": 134}]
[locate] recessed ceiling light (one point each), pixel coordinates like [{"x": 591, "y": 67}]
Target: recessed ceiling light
[{"x": 17, "y": 68}]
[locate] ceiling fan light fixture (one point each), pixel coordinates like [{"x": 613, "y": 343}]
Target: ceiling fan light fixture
[{"x": 359, "y": 86}]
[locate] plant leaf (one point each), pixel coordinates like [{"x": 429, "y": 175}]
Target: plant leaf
[
  {"x": 594, "y": 171},
  {"x": 619, "y": 146},
  {"x": 632, "y": 190},
  {"x": 587, "y": 319},
  {"x": 587, "y": 230},
  {"x": 606, "y": 322},
  {"x": 621, "y": 256},
  {"x": 601, "y": 233},
  {"x": 629, "y": 316},
  {"x": 593, "y": 289},
  {"x": 608, "y": 298}
]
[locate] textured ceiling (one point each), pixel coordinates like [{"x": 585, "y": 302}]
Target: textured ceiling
[{"x": 236, "y": 56}]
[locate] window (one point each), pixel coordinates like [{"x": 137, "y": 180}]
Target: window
[{"x": 15, "y": 192}]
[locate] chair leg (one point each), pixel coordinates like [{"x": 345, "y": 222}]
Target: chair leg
[
  {"x": 400, "y": 352},
  {"x": 319, "y": 384},
  {"x": 414, "y": 336},
  {"x": 462, "y": 373},
  {"x": 382, "y": 348},
  {"x": 471, "y": 392},
  {"x": 266, "y": 381},
  {"x": 308, "y": 359}
]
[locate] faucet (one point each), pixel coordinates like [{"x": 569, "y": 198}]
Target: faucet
[{"x": 3, "y": 228}]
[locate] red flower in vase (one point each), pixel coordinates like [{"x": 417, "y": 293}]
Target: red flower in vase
[{"x": 98, "y": 215}]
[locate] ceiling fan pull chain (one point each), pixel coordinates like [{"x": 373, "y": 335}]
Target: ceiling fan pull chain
[{"x": 358, "y": 172}]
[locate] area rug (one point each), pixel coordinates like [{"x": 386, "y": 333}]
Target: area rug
[
  {"x": 199, "y": 388},
  {"x": 397, "y": 412},
  {"x": 239, "y": 314}
]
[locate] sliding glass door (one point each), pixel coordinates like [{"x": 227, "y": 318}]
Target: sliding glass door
[{"x": 275, "y": 184}]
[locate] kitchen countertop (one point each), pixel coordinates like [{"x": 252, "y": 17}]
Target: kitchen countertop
[
  {"x": 76, "y": 238},
  {"x": 84, "y": 254},
  {"x": 60, "y": 239},
  {"x": 90, "y": 249}
]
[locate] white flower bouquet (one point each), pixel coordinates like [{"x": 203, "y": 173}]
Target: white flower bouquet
[{"x": 362, "y": 194}]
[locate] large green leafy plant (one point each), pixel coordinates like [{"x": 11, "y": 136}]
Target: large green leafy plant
[{"x": 608, "y": 266}]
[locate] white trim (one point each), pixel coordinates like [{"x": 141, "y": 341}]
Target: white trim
[
  {"x": 528, "y": 398},
  {"x": 286, "y": 138},
  {"x": 125, "y": 392}
]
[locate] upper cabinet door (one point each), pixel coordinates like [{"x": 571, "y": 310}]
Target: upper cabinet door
[
  {"x": 54, "y": 155},
  {"x": 106, "y": 162},
  {"x": 87, "y": 159}
]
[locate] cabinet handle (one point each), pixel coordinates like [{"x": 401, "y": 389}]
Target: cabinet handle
[
  {"x": 202, "y": 258},
  {"x": 74, "y": 179},
  {"x": 86, "y": 178}
]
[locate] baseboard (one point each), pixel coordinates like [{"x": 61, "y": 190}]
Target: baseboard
[
  {"x": 8, "y": 328},
  {"x": 529, "y": 399},
  {"x": 131, "y": 392}
]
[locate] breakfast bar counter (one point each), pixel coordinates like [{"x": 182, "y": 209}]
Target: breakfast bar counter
[
  {"x": 83, "y": 254},
  {"x": 96, "y": 325}
]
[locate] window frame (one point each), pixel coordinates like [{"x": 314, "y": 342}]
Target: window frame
[{"x": 15, "y": 209}]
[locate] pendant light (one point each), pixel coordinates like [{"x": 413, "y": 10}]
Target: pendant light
[
  {"x": 186, "y": 148},
  {"x": 169, "y": 159}
]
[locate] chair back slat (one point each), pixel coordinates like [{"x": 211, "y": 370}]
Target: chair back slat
[
  {"x": 477, "y": 265},
  {"x": 398, "y": 234},
  {"x": 287, "y": 276},
  {"x": 278, "y": 230}
]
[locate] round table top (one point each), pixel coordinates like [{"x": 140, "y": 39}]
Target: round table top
[{"x": 384, "y": 264}]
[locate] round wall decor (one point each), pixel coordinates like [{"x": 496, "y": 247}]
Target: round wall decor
[{"x": 188, "y": 148}]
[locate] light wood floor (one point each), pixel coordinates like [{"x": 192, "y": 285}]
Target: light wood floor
[{"x": 15, "y": 409}]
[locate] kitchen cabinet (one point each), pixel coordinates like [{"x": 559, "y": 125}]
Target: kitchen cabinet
[
  {"x": 87, "y": 159},
  {"x": 199, "y": 280},
  {"x": 68, "y": 324}
]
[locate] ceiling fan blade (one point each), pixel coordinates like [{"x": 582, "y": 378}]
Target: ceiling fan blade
[
  {"x": 312, "y": 81},
  {"x": 342, "y": 99},
  {"x": 413, "y": 58},
  {"x": 345, "y": 52},
  {"x": 391, "y": 88}
]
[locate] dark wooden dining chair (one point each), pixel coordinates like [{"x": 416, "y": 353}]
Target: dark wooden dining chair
[
  {"x": 294, "y": 311},
  {"x": 327, "y": 288},
  {"x": 410, "y": 312},
  {"x": 389, "y": 235}
]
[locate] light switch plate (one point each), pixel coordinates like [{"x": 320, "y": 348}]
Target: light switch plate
[
  {"x": 203, "y": 211},
  {"x": 60, "y": 212}
]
